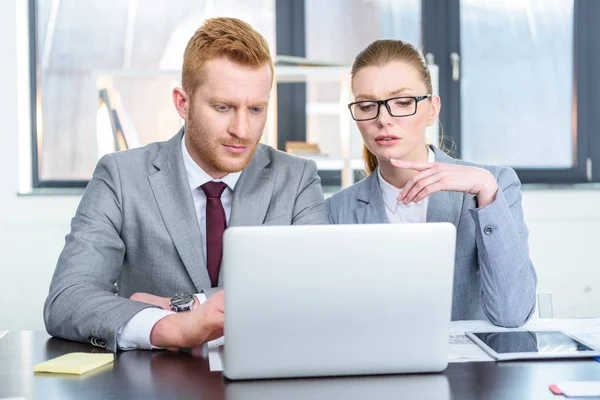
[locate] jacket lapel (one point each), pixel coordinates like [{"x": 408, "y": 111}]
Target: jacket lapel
[
  {"x": 174, "y": 199},
  {"x": 371, "y": 208},
  {"x": 444, "y": 206},
  {"x": 253, "y": 192}
]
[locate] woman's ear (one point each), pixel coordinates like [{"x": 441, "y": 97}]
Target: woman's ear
[{"x": 436, "y": 105}]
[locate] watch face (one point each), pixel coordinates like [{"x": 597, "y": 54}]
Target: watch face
[{"x": 182, "y": 299}]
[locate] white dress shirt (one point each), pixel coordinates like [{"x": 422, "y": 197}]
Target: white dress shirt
[
  {"x": 135, "y": 334},
  {"x": 396, "y": 211}
]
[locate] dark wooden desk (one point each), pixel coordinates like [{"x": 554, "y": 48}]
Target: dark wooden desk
[{"x": 168, "y": 375}]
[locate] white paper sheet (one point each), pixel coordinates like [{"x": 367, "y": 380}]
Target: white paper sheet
[
  {"x": 215, "y": 354},
  {"x": 587, "y": 329},
  {"x": 580, "y": 389},
  {"x": 462, "y": 349}
]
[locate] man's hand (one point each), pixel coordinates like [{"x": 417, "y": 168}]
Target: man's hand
[
  {"x": 206, "y": 321},
  {"x": 193, "y": 328}
]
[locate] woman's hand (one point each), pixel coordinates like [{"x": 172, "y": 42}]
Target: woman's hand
[{"x": 436, "y": 177}]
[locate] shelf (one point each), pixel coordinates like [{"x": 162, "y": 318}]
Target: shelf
[
  {"x": 308, "y": 70},
  {"x": 283, "y": 73},
  {"x": 287, "y": 73},
  {"x": 327, "y": 163}
]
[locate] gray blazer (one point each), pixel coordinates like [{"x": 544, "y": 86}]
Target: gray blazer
[
  {"x": 493, "y": 275},
  {"x": 136, "y": 230}
]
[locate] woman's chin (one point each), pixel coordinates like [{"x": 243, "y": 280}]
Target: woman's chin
[{"x": 389, "y": 154}]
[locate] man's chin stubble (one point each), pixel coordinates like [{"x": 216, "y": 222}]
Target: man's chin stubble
[{"x": 228, "y": 168}]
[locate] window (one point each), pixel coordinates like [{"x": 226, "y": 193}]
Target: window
[
  {"x": 518, "y": 84},
  {"x": 123, "y": 48},
  {"x": 516, "y": 77},
  {"x": 520, "y": 54}
]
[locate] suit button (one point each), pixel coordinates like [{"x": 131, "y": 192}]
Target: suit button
[
  {"x": 97, "y": 342},
  {"x": 488, "y": 230}
]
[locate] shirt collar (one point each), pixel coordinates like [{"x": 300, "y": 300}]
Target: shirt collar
[
  {"x": 390, "y": 193},
  {"x": 198, "y": 177}
]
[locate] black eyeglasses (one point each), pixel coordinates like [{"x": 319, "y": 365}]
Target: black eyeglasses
[{"x": 397, "y": 107}]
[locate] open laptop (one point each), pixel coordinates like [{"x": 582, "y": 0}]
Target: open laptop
[{"x": 333, "y": 300}]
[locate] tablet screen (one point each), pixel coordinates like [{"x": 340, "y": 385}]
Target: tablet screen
[{"x": 531, "y": 342}]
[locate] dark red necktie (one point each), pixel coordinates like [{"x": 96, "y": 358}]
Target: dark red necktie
[{"x": 215, "y": 226}]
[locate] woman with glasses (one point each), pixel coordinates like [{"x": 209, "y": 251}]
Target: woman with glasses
[{"x": 409, "y": 182}]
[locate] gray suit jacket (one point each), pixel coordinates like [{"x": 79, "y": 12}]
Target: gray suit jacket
[
  {"x": 136, "y": 230},
  {"x": 493, "y": 275}
]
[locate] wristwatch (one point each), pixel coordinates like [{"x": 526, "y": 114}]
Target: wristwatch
[{"x": 182, "y": 302}]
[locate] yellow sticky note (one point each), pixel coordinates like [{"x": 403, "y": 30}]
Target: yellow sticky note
[{"x": 75, "y": 363}]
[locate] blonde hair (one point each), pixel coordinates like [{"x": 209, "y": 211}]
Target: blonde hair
[
  {"x": 223, "y": 37},
  {"x": 379, "y": 53}
]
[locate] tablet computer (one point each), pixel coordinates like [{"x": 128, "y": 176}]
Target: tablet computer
[{"x": 520, "y": 344}]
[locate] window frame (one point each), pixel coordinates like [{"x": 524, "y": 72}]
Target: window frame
[
  {"x": 441, "y": 19},
  {"x": 292, "y": 126},
  {"x": 35, "y": 96},
  {"x": 440, "y": 37},
  {"x": 290, "y": 25}
]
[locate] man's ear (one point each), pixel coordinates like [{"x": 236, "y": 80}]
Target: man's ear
[{"x": 182, "y": 102}]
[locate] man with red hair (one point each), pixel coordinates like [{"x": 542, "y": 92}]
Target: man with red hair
[{"x": 150, "y": 225}]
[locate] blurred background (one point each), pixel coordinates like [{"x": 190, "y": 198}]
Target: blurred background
[{"x": 517, "y": 79}]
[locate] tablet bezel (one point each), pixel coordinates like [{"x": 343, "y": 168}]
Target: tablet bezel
[{"x": 532, "y": 355}]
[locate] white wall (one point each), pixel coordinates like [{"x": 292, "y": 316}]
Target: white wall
[
  {"x": 32, "y": 229},
  {"x": 564, "y": 246},
  {"x": 563, "y": 223}
]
